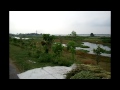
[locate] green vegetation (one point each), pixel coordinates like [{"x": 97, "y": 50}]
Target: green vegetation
[
  {"x": 73, "y": 33},
  {"x": 41, "y": 51},
  {"x": 83, "y": 71},
  {"x": 71, "y": 48},
  {"x": 57, "y": 49},
  {"x": 92, "y": 35},
  {"x": 98, "y": 51},
  {"x": 47, "y": 42},
  {"x": 84, "y": 75}
]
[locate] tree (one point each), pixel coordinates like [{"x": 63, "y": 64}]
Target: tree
[
  {"x": 73, "y": 33},
  {"x": 98, "y": 51},
  {"x": 92, "y": 35},
  {"x": 57, "y": 49},
  {"x": 71, "y": 47},
  {"x": 47, "y": 42}
]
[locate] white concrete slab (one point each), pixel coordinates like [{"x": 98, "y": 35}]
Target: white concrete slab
[{"x": 56, "y": 72}]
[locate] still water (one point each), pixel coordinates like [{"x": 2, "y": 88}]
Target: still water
[{"x": 93, "y": 46}]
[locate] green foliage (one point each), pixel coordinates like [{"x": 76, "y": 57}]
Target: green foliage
[
  {"x": 73, "y": 72},
  {"x": 48, "y": 41},
  {"x": 83, "y": 71},
  {"x": 24, "y": 50},
  {"x": 98, "y": 51},
  {"x": 73, "y": 33},
  {"x": 48, "y": 38},
  {"x": 70, "y": 44},
  {"x": 71, "y": 48},
  {"x": 106, "y": 39},
  {"x": 45, "y": 57},
  {"x": 92, "y": 35},
  {"x": 57, "y": 49},
  {"x": 62, "y": 61},
  {"x": 84, "y": 75}
]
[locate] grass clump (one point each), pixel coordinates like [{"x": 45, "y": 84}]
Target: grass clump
[
  {"x": 83, "y": 71},
  {"x": 84, "y": 75}
]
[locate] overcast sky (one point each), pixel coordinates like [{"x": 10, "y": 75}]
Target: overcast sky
[{"x": 60, "y": 22}]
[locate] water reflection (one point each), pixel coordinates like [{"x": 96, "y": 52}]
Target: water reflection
[{"x": 93, "y": 46}]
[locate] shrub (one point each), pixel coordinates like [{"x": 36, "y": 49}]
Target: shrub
[
  {"x": 84, "y": 75},
  {"x": 71, "y": 48},
  {"x": 62, "y": 61},
  {"x": 83, "y": 71},
  {"x": 98, "y": 51},
  {"x": 48, "y": 40},
  {"x": 57, "y": 49},
  {"x": 92, "y": 35},
  {"x": 45, "y": 57}
]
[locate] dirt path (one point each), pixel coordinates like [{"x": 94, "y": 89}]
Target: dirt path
[{"x": 13, "y": 71}]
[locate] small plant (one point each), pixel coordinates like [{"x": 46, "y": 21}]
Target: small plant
[
  {"x": 71, "y": 48},
  {"x": 57, "y": 49},
  {"x": 62, "y": 61},
  {"x": 98, "y": 51}
]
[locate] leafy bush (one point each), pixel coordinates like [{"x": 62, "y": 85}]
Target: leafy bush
[
  {"x": 45, "y": 57},
  {"x": 98, "y": 51},
  {"x": 106, "y": 39},
  {"x": 62, "y": 61},
  {"x": 70, "y": 45},
  {"x": 83, "y": 71},
  {"x": 84, "y": 75},
  {"x": 57, "y": 49},
  {"x": 92, "y": 35},
  {"x": 71, "y": 48},
  {"x": 48, "y": 40}
]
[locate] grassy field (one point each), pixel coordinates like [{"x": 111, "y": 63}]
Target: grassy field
[{"x": 20, "y": 57}]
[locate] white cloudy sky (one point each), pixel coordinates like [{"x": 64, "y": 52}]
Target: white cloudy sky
[{"x": 60, "y": 22}]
